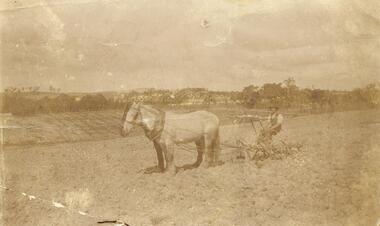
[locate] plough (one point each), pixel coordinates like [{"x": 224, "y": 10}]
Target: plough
[
  {"x": 260, "y": 151},
  {"x": 262, "y": 148}
]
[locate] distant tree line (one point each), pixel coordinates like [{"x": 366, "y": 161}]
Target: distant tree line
[
  {"x": 30, "y": 89},
  {"x": 286, "y": 95}
]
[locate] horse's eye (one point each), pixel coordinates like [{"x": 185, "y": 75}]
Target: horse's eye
[{"x": 135, "y": 117}]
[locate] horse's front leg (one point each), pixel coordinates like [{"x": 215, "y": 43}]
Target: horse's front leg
[
  {"x": 160, "y": 158},
  {"x": 169, "y": 158}
]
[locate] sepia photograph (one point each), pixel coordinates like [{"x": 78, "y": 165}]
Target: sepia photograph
[{"x": 190, "y": 113}]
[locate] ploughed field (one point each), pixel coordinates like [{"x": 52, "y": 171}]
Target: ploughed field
[
  {"x": 333, "y": 180},
  {"x": 82, "y": 126}
]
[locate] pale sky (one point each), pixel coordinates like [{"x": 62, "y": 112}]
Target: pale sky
[{"x": 104, "y": 45}]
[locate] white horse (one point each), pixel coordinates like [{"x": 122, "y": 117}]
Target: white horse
[{"x": 168, "y": 129}]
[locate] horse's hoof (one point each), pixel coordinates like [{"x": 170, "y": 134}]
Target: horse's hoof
[
  {"x": 205, "y": 165},
  {"x": 171, "y": 171},
  {"x": 219, "y": 163},
  {"x": 154, "y": 169},
  {"x": 179, "y": 169}
]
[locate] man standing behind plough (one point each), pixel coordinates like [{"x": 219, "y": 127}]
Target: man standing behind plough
[
  {"x": 274, "y": 125},
  {"x": 275, "y": 120}
]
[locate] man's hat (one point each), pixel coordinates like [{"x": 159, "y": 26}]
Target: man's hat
[{"x": 273, "y": 106}]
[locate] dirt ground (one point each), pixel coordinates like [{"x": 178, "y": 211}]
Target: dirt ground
[{"x": 334, "y": 180}]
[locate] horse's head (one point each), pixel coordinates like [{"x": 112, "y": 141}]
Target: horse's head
[{"x": 131, "y": 117}]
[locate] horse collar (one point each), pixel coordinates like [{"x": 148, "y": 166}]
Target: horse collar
[{"x": 158, "y": 127}]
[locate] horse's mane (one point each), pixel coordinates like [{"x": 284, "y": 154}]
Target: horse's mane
[
  {"x": 126, "y": 109},
  {"x": 153, "y": 108},
  {"x": 149, "y": 107}
]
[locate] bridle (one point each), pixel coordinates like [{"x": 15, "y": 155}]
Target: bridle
[
  {"x": 127, "y": 109},
  {"x": 158, "y": 126}
]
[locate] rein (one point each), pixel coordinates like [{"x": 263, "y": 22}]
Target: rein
[{"x": 158, "y": 125}]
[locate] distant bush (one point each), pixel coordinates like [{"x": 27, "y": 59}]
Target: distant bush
[
  {"x": 61, "y": 103},
  {"x": 19, "y": 104},
  {"x": 93, "y": 102}
]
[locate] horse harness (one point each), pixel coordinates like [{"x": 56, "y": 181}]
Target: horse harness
[{"x": 158, "y": 126}]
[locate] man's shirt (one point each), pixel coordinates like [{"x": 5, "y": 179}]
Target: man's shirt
[{"x": 275, "y": 119}]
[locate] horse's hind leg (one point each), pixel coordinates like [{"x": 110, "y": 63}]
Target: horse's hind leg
[
  {"x": 200, "y": 151},
  {"x": 208, "y": 151},
  {"x": 216, "y": 149},
  {"x": 197, "y": 163}
]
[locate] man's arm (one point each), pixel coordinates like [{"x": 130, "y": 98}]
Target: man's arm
[
  {"x": 280, "y": 119},
  {"x": 262, "y": 118}
]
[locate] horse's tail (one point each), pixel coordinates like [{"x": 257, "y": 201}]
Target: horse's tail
[
  {"x": 217, "y": 140},
  {"x": 216, "y": 146}
]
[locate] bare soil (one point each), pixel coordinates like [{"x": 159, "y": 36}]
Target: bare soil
[{"x": 334, "y": 180}]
